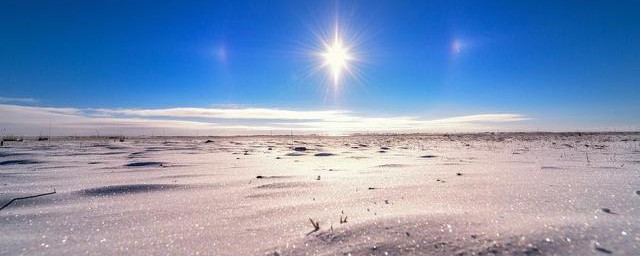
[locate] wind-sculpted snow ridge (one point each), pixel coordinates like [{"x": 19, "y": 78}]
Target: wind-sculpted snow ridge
[{"x": 128, "y": 189}]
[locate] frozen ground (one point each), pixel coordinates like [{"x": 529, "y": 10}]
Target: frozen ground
[{"x": 523, "y": 194}]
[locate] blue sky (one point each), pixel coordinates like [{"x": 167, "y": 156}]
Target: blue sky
[{"x": 550, "y": 65}]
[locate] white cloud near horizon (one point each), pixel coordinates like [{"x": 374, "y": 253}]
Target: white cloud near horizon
[
  {"x": 225, "y": 113},
  {"x": 31, "y": 120}
]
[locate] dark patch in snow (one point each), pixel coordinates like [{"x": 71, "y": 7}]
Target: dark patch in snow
[
  {"x": 144, "y": 164},
  {"x": 283, "y": 185},
  {"x": 19, "y": 162},
  {"x": 128, "y": 189}
]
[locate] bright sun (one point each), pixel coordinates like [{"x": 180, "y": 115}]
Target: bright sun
[{"x": 336, "y": 58}]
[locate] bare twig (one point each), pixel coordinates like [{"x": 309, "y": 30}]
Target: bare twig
[
  {"x": 587, "y": 153},
  {"x": 26, "y": 197},
  {"x": 315, "y": 224}
]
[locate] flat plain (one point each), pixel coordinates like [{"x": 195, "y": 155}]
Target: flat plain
[{"x": 411, "y": 194}]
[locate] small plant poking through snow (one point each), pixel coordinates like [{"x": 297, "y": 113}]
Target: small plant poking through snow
[{"x": 315, "y": 224}]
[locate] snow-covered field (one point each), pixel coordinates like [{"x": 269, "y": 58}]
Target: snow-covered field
[{"x": 482, "y": 194}]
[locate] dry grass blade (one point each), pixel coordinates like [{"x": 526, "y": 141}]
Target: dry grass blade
[
  {"x": 26, "y": 197},
  {"x": 315, "y": 224}
]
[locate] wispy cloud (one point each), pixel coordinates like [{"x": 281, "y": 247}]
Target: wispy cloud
[
  {"x": 30, "y": 120},
  {"x": 17, "y": 100},
  {"x": 413, "y": 124},
  {"x": 222, "y": 113}
]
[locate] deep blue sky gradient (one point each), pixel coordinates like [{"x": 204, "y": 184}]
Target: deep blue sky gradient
[{"x": 560, "y": 62}]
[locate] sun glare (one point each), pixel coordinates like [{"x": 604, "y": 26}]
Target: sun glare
[{"x": 336, "y": 58}]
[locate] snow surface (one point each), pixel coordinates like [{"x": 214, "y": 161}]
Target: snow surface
[{"x": 464, "y": 194}]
